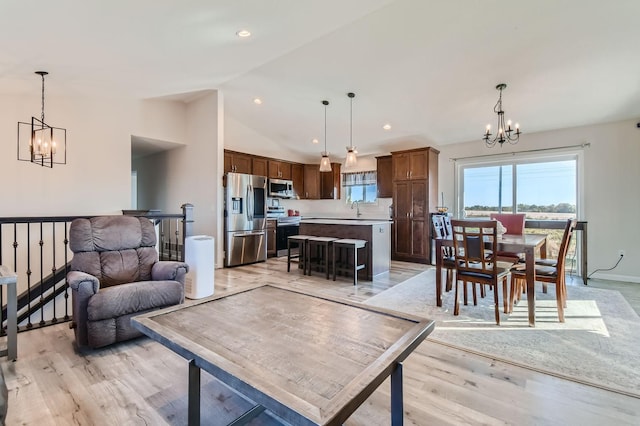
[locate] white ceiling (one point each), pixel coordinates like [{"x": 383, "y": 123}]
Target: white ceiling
[{"x": 429, "y": 68}]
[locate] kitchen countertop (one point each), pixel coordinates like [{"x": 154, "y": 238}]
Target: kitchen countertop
[{"x": 338, "y": 221}]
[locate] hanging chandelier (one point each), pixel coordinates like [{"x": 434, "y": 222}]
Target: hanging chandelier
[
  {"x": 40, "y": 143},
  {"x": 505, "y": 132},
  {"x": 351, "y": 159},
  {"x": 325, "y": 163}
]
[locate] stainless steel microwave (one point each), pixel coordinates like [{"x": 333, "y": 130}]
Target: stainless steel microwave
[{"x": 280, "y": 188}]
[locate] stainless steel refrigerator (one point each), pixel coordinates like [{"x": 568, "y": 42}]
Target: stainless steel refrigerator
[{"x": 245, "y": 212}]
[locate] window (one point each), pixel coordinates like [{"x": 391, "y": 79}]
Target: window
[
  {"x": 360, "y": 186},
  {"x": 544, "y": 188}
]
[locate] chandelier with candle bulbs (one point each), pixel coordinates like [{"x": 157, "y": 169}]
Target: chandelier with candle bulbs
[{"x": 504, "y": 131}]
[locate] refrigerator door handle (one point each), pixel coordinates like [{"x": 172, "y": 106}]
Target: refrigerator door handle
[
  {"x": 249, "y": 208},
  {"x": 248, "y": 234}
]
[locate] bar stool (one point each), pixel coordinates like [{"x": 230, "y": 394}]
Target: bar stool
[
  {"x": 341, "y": 261},
  {"x": 318, "y": 253},
  {"x": 299, "y": 241}
]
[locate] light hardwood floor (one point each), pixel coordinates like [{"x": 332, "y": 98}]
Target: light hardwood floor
[{"x": 142, "y": 383}]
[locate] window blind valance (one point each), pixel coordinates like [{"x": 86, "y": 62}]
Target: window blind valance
[{"x": 359, "y": 178}]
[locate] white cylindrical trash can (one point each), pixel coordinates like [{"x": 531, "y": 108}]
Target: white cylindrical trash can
[{"x": 199, "y": 255}]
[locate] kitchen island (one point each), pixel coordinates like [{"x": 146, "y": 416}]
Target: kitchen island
[{"x": 377, "y": 233}]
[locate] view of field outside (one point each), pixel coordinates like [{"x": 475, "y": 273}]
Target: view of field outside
[{"x": 543, "y": 191}]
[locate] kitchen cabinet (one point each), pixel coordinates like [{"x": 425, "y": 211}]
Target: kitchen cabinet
[
  {"x": 412, "y": 164},
  {"x": 259, "y": 166},
  {"x": 237, "y": 162},
  {"x": 271, "y": 237},
  {"x": 311, "y": 182},
  {"x": 330, "y": 183},
  {"x": 297, "y": 176},
  {"x": 279, "y": 169},
  {"x": 415, "y": 194},
  {"x": 384, "y": 177}
]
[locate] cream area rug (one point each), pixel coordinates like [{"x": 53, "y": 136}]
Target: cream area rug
[{"x": 599, "y": 343}]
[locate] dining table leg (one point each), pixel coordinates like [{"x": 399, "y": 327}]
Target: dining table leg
[
  {"x": 530, "y": 272},
  {"x": 438, "y": 272}
]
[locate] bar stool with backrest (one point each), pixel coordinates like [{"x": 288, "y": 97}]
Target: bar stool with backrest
[
  {"x": 317, "y": 254},
  {"x": 345, "y": 257},
  {"x": 299, "y": 241},
  {"x": 475, "y": 244}
]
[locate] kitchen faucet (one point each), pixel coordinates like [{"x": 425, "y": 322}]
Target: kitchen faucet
[{"x": 357, "y": 208}]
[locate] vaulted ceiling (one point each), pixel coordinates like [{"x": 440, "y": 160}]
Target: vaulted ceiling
[{"x": 428, "y": 68}]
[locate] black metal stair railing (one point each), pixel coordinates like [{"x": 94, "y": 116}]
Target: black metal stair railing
[{"x": 37, "y": 249}]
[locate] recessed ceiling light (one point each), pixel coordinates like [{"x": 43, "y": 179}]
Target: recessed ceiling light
[
  {"x": 243, "y": 33},
  {"x": 257, "y": 101},
  {"x": 314, "y": 140},
  {"x": 387, "y": 126}
]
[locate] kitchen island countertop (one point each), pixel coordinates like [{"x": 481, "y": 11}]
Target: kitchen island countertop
[{"x": 339, "y": 221}]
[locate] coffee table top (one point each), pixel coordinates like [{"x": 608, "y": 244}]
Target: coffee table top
[{"x": 307, "y": 358}]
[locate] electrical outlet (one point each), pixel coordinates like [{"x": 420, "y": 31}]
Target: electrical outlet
[{"x": 621, "y": 253}]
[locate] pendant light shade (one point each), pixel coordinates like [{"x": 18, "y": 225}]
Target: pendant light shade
[
  {"x": 325, "y": 163},
  {"x": 351, "y": 159}
]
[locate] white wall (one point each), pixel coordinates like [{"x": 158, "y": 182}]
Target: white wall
[
  {"x": 96, "y": 178},
  {"x": 611, "y": 187}
]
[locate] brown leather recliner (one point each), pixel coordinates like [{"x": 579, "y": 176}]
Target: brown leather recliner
[{"x": 115, "y": 275}]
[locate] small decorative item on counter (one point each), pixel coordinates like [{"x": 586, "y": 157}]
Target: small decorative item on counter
[
  {"x": 296, "y": 212},
  {"x": 290, "y": 212},
  {"x": 442, "y": 208}
]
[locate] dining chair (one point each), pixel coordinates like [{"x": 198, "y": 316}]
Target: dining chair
[
  {"x": 448, "y": 262},
  {"x": 475, "y": 244},
  {"x": 514, "y": 222},
  {"x": 548, "y": 274}
]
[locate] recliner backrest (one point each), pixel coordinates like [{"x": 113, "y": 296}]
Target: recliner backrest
[{"x": 114, "y": 249}]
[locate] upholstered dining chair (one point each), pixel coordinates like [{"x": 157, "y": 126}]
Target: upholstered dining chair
[
  {"x": 475, "y": 244},
  {"x": 514, "y": 222},
  {"x": 115, "y": 274},
  {"x": 548, "y": 274}
]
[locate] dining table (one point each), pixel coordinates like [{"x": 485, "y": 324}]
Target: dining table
[{"x": 525, "y": 243}]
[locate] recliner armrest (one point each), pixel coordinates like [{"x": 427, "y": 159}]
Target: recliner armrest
[
  {"x": 169, "y": 270},
  {"x": 83, "y": 282}
]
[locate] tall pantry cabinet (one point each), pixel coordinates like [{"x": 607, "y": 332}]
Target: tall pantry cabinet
[{"x": 415, "y": 194}]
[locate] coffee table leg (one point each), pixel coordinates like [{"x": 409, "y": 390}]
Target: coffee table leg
[
  {"x": 194, "y": 394},
  {"x": 397, "y": 409}
]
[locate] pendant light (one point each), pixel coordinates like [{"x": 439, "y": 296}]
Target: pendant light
[
  {"x": 325, "y": 163},
  {"x": 39, "y": 142},
  {"x": 351, "y": 159}
]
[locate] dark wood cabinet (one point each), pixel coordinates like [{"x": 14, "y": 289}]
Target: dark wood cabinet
[
  {"x": 259, "y": 166},
  {"x": 271, "y": 238},
  {"x": 321, "y": 185},
  {"x": 297, "y": 176},
  {"x": 330, "y": 183},
  {"x": 311, "y": 182},
  {"x": 237, "y": 162},
  {"x": 279, "y": 169},
  {"x": 415, "y": 194},
  {"x": 384, "y": 176},
  {"x": 410, "y": 165}
]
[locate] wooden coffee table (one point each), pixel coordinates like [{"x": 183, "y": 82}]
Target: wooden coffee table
[{"x": 308, "y": 359}]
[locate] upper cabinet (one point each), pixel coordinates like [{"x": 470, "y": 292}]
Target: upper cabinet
[
  {"x": 330, "y": 183},
  {"x": 311, "y": 182},
  {"x": 259, "y": 166},
  {"x": 412, "y": 164},
  {"x": 385, "y": 177},
  {"x": 297, "y": 176},
  {"x": 237, "y": 162},
  {"x": 279, "y": 169}
]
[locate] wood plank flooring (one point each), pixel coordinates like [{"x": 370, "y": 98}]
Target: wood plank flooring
[{"x": 140, "y": 382}]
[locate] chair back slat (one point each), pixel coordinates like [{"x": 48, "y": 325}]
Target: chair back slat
[
  {"x": 475, "y": 246},
  {"x": 564, "y": 244}
]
